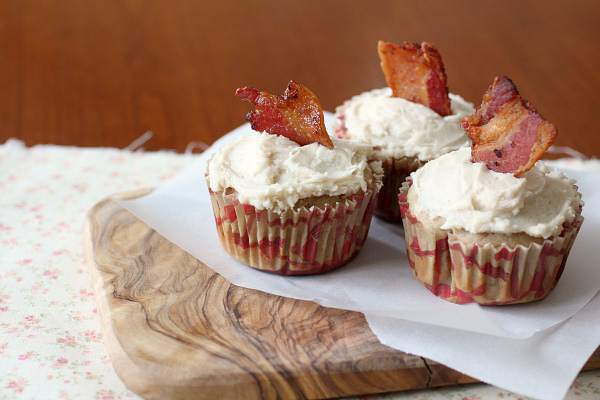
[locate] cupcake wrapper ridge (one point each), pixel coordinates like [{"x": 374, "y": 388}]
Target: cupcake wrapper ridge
[
  {"x": 306, "y": 241},
  {"x": 488, "y": 275},
  {"x": 395, "y": 172}
]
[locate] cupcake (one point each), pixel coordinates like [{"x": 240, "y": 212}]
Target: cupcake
[
  {"x": 288, "y": 198},
  {"x": 491, "y": 224},
  {"x": 409, "y": 123}
]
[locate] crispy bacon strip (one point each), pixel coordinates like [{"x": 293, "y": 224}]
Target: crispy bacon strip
[
  {"x": 296, "y": 115},
  {"x": 508, "y": 134},
  {"x": 416, "y": 73}
]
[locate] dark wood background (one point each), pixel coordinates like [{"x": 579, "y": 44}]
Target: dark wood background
[{"x": 101, "y": 73}]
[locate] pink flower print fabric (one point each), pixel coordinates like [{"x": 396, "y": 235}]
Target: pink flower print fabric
[{"x": 51, "y": 344}]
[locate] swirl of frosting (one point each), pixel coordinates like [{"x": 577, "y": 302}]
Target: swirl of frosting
[
  {"x": 399, "y": 128},
  {"x": 469, "y": 196},
  {"x": 269, "y": 171}
]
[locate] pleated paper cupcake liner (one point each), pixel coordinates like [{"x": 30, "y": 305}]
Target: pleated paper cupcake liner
[
  {"x": 395, "y": 172},
  {"x": 485, "y": 274},
  {"x": 306, "y": 241}
]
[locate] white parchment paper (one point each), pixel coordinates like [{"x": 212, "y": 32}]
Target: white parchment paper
[{"x": 535, "y": 349}]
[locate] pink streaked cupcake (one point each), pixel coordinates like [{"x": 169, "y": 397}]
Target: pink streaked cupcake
[
  {"x": 288, "y": 198},
  {"x": 409, "y": 123},
  {"x": 491, "y": 224}
]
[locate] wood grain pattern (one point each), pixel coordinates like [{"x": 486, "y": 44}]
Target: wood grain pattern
[
  {"x": 101, "y": 73},
  {"x": 189, "y": 331},
  {"x": 175, "y": 329}
]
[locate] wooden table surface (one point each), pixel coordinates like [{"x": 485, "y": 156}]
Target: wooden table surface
[{"x": 101, "y": 73}]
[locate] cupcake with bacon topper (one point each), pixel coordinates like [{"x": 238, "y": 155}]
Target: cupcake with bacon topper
[
  {"x": 412, "y": 121},
  {"x": 492, "y": 224},
  {"x": 288, "y": 198}
]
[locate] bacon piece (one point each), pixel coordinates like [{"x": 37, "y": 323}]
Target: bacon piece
[
  {"x": 416, "y": 73},
  {"x": 508, "y": 134},
  {"x": 296, "y": 115}
]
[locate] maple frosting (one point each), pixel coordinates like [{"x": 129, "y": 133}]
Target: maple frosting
[
  {"x": 400, "y": 128},
  {"x": 269, "y": 171},
  {"x": 468, "y": 195}
]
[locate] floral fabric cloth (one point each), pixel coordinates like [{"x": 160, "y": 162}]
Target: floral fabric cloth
[{"x": 51, "y": 343}]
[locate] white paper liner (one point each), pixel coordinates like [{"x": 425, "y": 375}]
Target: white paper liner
[{"x": 499, "y": 345}]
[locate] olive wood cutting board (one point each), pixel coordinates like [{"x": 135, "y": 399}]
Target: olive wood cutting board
[{"x": 175, "y": 329}]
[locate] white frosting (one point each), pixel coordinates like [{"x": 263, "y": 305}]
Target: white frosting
[
  {"x": 270, "y": 171},
  {"x": 468, "y": 195},
  {"x": 399, "y": 128}
]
